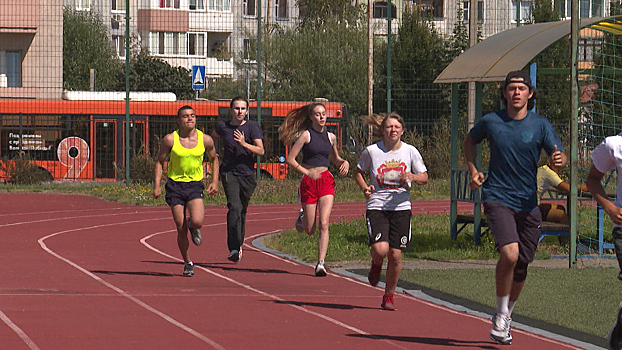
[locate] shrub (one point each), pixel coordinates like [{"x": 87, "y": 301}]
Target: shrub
[{"x": 21, "y": 170}]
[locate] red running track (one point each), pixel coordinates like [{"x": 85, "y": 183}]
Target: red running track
[{"x": 82, "y": 273}]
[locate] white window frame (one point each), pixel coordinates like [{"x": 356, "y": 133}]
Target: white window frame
[
  {"x": 279, "y": 6},
  {"x": 218, "y": 5},
  {"x": 170, "y": 4},
  {"x": 525, "y": 11},
  {"x": 118, "y": 43},
  {"x": 596, "y": 8},
  {"x": 80, "y": 5},
  {"x": 199, "y": 5},
  {"x": 199, "y": 37},
  {"x": 466, "y": 11},
  {"x": 245, "y": 7},
  {"x": 118, "y": 6}
]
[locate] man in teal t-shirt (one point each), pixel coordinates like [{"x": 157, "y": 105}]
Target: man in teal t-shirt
[{"x": 516, "y": 137}]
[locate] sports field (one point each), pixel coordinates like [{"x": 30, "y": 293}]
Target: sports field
[{"x": 82, "y": 273}]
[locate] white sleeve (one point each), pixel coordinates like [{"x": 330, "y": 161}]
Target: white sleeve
[
  {"x": 602, "y": 156},
  {"x": 417, "y": 166},
  {"x": 365, "y": 161}
]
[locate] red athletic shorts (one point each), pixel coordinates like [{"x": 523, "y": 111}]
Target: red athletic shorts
[{"x": 311, "y": 190}]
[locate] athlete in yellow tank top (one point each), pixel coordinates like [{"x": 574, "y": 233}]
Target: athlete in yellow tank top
[{"x": 185, "y": 149}]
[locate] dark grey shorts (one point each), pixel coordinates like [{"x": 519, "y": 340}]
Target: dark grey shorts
[{"x": 509, "y": 225}]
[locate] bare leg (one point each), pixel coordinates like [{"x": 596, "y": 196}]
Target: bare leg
[
  {"x": 196, "y": 209},
  {"x": 325, "y": 207},
  {"x": 394, "y": 269},
  {"x": 308, "y": 222},
  {"x": 179, "y": 216}
]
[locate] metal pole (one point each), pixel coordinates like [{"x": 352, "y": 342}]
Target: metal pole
[
  {"x": 259, "y": 79},
  {"x": 471, "y": 98},
  {"x": 370, "y": 66},
  {"x": 574, "y": 131},
  {"x": 389, "y": 56},
  {"x": 127, "y": 92}
]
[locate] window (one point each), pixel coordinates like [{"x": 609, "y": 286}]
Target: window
[
  {"x": 195, "y": 5},
  {"x": 196, "y": 44},
  {"x": 168, "y": 4},
  {"x": 167, "y": 43},
  {"x": 249, "y": 49},
  {"x": 432, "y": 8},
  {"x": 587, "y": 8},
  {"x": 281, "y": 9},
  {"x": 13, "y": 69},
  {"x": 525, "y": 11},
  {"x": 466, "y": 6},
  {"x": 118, "y": 5},
  {"x": 83, "y": 5},
  {"x": 219, "y": 5},
  {"x": 249, "y": 8},
  {"x": 118, "y": 43},
  {"x": 381, "y": 9}
]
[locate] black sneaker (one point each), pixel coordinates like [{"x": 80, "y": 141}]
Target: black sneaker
[
  {"x": 615, "y": 335},
  {"x": 188, "y": 270},
  {"x": 235, "y": 255},
  {"x": 197, "y": 238},
  {"x": 320, "y": 270}
]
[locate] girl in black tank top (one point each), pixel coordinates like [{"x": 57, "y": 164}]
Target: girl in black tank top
[{"x": 317, "y": 188}]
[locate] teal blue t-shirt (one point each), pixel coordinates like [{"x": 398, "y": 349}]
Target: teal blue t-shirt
[{"x": 515, "y": 147}]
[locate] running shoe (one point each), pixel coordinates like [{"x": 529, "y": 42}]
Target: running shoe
[
  {"x": 615, "y": 335},
  {"x": 320, "y": 270},
  {"x": 197, "y": 238},
  {"x": 188, "y": 270},
  {"x": 388, "y": 303},
  {"x": 235, "y": 255},
  {"x": 299, "y": 222},
  {"x": 374, "y": 274},
  {"x": 500, "y": 331}
]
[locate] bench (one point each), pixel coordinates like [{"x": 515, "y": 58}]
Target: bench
[{"x": 461, "y": 192}]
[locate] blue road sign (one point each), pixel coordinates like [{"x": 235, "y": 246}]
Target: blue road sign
[{"x": 198, "y": 77}]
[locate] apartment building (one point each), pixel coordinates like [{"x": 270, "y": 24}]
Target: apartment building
[{"x": 31, "y": 48}]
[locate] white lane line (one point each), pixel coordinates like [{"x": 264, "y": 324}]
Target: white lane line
[
  {"x": 119, "y": 290},
  {"x": 268, "y": 295},
  {"x": 31, "y": 344}
]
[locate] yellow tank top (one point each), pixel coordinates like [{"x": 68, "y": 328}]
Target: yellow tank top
[{"x": 186, "y": 165}]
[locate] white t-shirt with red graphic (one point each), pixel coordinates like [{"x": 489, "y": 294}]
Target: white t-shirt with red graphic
[{"x": 386, "y": 169}]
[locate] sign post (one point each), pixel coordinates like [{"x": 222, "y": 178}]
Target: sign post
[{"x": 198, "y": 78}]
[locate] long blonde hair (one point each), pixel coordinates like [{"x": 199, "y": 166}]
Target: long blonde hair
[
  {"x": 378, "y": 121},
  {"x": 296, "y": 121}
]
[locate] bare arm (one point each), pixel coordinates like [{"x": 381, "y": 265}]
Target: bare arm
[
  {"x": 208, "y": 142},
  {"x": 293, "y": 153},
  {"x": 419, "y": 179},
  {"x": 598, "y": 192},
  {"x": 470, "y": 153},
  {"x": 344, "y": 165},
  {"x": 165, "y": 149},
  {"x": 360, "y": 181}
]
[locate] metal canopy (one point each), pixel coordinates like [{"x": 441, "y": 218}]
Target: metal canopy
[{"x": 492, "y": 58}]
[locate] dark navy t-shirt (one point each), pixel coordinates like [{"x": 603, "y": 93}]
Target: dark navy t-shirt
[
  {"x": 515, "y": 147},
  {"x": 237, "y": 159}
]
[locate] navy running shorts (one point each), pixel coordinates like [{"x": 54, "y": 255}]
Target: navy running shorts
[{"x": 180, "y": 193}]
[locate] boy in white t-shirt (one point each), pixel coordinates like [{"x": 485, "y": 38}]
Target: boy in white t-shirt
[{"x": 607, "y": 156}]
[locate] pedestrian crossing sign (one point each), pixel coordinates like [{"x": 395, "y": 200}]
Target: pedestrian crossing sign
[{"x": 198, "y": 77}]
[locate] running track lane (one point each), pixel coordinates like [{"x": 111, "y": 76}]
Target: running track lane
[{"x": 83, "y": 273}]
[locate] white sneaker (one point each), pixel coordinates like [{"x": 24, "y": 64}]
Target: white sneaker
[
  {"x": 320, "y": 270},
  {"x": 300, "y": 222},
  {"x": 500, "y": 331}
]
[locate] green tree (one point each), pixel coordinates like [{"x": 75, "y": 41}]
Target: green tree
[
  {"x": 419, "y": 55},
  {"x": 148, "y": 73},
  {"x": 324, "y": 56},
  {"x": 86, "y": 45}
]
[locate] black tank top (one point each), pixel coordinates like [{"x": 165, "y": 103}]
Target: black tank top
[{"x": 317, "y": 151}]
